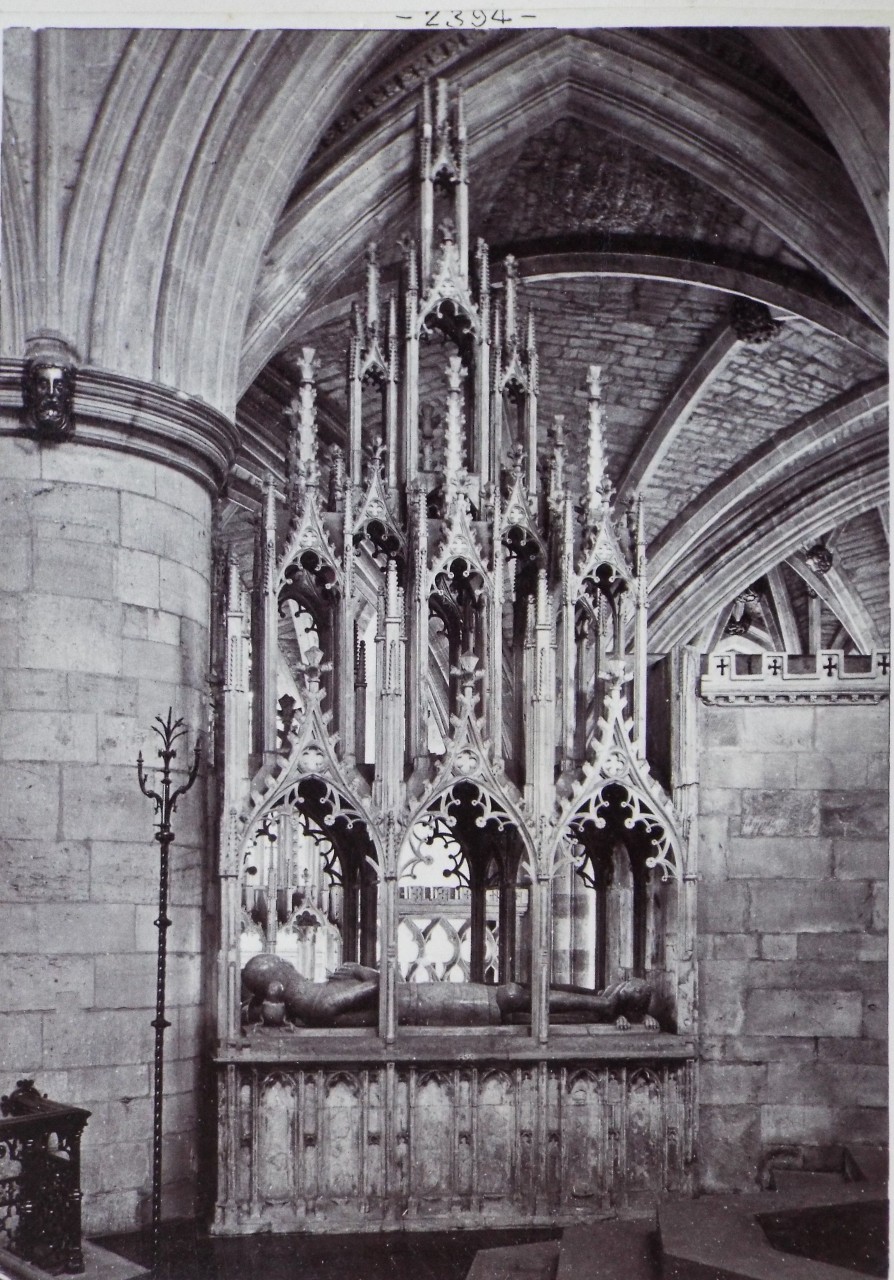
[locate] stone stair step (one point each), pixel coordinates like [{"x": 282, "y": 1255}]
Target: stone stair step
[
  {"x": 870, "y": 1163},
  {"x": 720, "y": 1238},
  {"x": 805, "y": 1180},
  {"x": 516, "y": 1262},
  {"x": 618, "y": 1249}
]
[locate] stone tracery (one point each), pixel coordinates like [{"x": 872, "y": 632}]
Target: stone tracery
[{"x": 469, "y": 631}]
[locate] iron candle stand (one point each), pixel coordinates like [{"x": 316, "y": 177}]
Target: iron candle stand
[{"x": 170, "y": 731}]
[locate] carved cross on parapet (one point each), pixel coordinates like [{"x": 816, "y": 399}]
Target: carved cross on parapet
[
  {"x": 775, "y": 666},
  {"x": 830, "y": 666},
  {"x": 884, "y": 663},
  {"x": 723, "y": 665}
]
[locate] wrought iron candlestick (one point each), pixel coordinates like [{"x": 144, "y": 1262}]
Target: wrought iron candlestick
[{"x": 170, "y": 731}]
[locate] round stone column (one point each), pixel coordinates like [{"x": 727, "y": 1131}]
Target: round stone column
[{"x": 104, "y": 624}]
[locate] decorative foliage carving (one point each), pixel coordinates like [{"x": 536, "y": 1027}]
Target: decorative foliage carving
[
  {"x": 819, "y": 558},
  {"x": 574, "y": 177},
  {"x": 751, "y": 322}
]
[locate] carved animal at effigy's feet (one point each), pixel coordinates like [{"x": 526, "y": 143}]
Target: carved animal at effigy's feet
[{"x": 274, "y": 992}]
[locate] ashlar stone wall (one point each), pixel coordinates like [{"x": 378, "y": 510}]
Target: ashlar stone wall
[
  {"x": 104, "y": 608},
  {"x": 792, "y": 932}
]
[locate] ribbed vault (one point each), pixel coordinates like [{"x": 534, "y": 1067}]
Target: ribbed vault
[{"x": 190, "y": 208}]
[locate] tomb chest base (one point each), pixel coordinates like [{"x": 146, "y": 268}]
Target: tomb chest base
[{"x": 348, "y": 1135}]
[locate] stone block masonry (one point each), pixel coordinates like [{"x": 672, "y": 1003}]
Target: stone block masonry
[
  {"x": 792, "y": 868},
  {"x": 105, "y": 607}
]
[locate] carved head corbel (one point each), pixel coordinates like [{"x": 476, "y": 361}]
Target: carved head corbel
[{"x": 48, "y": 397}]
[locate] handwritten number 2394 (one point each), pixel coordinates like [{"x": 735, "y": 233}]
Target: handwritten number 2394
[{"x": 463, "y": 17}]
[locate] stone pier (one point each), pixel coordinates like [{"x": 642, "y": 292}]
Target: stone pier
[{"x": 104, "y": 593}]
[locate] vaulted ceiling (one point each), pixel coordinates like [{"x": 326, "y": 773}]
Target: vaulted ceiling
[{"x": 192, "y": 207}]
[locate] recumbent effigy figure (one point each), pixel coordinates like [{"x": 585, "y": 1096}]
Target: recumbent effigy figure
[{"x": 274, "y": 992}]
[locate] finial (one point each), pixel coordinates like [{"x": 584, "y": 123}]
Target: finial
[
  {"x": 306, "y": 364},
  {"x": 392, "y": 601},
  {"x": 595, "y": 457},
  {"x": 307, "y": 467},
  {"x": 453, "y": 461},
  {"x": 377, "y": 452},
  {"x": 557, "y": 458},
  {"x": 234, "y": 584},
  {"x": 412, "y": 267},
  {"x": 511, "y": 266},
  {"x": 455, "y": 373},
  {"x": 372, "y": 289},
  {"x": 542, "y": 609},
  {"x": 517, "y": 461},
  {"x": 440, "y": 103},
  {"x": 497, "y": 339},
  {"x": 460, "y": 116},
  {"x": 483, "y": 255},
  {"x": 356, "y": 325},
  {"x": 427, "y": 436},
  {"x": 269, "y": 501}
]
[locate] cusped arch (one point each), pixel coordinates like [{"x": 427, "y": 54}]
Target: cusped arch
[
  {"x": 644, "y": 816},
  {"x": 495, "y": 805},
  {"x": 344, "y": 809}
]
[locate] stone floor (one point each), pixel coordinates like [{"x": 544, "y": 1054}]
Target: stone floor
[
  {"x": 191, "y": 1255},
  {"x": 687, "y": 1239}
]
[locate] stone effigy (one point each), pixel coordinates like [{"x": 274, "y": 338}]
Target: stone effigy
[{"x": 274, "y": 992}]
